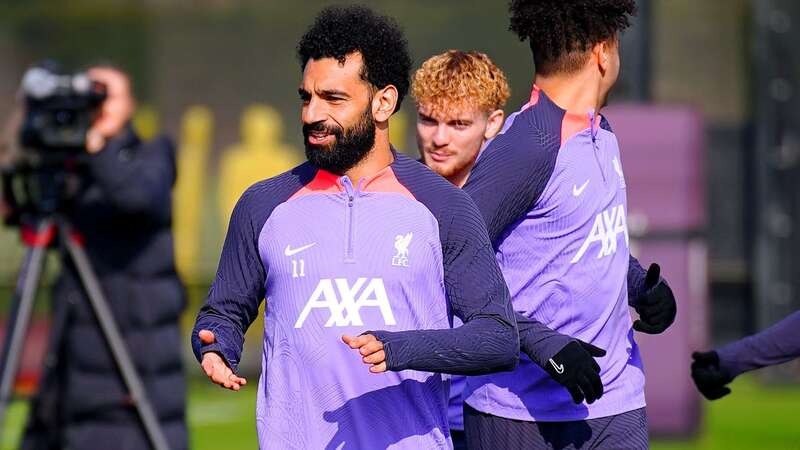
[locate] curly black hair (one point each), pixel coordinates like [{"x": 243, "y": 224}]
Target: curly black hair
[
  {"x": 560, "y": 31},
  {"x": 340, "y": 30}
]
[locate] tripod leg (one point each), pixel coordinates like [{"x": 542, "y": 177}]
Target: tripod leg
[
  {"x": 44, "y": 429},
  {"x": 114, "y": 339},
  {"x": 19, "y": 320}
]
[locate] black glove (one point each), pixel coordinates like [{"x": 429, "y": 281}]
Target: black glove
[
  {"x": 575, "y": 368},
  {"x": 708, "y": 376},
  {"x": 657, "y": 309}
]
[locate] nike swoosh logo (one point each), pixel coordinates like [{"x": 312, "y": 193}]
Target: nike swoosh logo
[
  {"x": 289, "y": 251},
  {"x": 577, "y": 191},
  {"x": 559, "y": 367}
]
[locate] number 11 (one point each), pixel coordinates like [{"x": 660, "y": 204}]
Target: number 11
[{"x": 301, "y": 266}]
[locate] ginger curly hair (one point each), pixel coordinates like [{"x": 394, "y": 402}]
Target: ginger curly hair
[{"x": 458, "y": 79}]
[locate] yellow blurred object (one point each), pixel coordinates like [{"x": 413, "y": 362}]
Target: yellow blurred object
[
  {"x": 260, "y": 155},
  {"x": 188, "y": 196},
  {"x": 398, "y": 131},
  {"x": 146, "y": 122}
]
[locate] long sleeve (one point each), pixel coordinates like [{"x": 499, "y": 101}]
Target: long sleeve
[
  {"x": 488, "y": 340},
  {"x": 537, "y": 341},
  {"x": 775, "y": 345},
  {"x": 505, "y": 184},
  {"x": 238, "y": 287},
  {"x": 136, "y": 177},
  {"x": 508, "y": 179}
]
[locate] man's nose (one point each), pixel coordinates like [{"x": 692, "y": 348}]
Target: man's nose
[
  {"x": 441, "y": 137},
  {"x": 313, "y": 111}
]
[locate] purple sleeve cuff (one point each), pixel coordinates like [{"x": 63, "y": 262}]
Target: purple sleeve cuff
[
  {"x": 636, "y": 277},
  {"x": 228, "y": 343},
  {"x": 538, "y": 341},
  {"x": 482, "y": 345},
  {"x": 636, "y": 281}
]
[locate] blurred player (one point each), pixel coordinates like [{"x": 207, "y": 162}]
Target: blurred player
[
  {"x": 363, "y": 245},
  {"x": 552, "y": 192},
  {"x": 460, "y": 96},
  {"x": 713, "y": 370}
]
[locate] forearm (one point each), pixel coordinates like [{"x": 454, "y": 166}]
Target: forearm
[
  {"x": 775, "y": 345},
  {"x": 538, "y": 341},
  {"x": 483, "y": 345},
  {"x": 135, "y": 179}
]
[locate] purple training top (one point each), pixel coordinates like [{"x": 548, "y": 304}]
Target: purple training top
[
  {"x": 552, "y": 192},
  {"x": 402, "y": 252}
]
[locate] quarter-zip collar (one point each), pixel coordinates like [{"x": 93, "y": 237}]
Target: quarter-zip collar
[
  {"x": 572, "y": 122},
  {"x": 382, "y": 181},
  {"x": 346, "y": 185}
]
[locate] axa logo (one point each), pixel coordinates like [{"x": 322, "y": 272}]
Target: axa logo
[
  {"x": 605, "y": 231},
  {"x": 344, "y": 301},
  {"x": 618, "y": 169},
  {"x": 401, "y": 243}
]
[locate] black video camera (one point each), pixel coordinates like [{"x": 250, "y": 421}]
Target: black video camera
[{"x": 59, "y": 110}]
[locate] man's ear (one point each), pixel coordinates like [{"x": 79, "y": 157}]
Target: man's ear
[
  {"x": 494, "y": 123},
  {"x": 601, "y": 54},
  {"x": 384, "y": 102}
]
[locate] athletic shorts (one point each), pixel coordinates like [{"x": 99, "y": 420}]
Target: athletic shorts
[{"x": 626, "y": 431}]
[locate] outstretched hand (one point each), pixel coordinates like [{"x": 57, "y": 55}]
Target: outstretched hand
[
  {"x": 371, "y": 350},
  {"x": 215, "y": 367}
]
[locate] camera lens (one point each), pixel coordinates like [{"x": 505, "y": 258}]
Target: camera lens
[
  {"x": 65, "y": 117},
  {"x": 39, "y": 83}
]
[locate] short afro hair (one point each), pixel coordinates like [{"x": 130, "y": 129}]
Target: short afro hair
[
  {"x": 458, "y": 79},
  {"x": 561, "y": 31},
  {"x": 341, "y": 30}
]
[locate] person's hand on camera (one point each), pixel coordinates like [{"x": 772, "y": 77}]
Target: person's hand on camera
[
  {"x": 115, "y": 111},
  {"x": 215, "y": 368}
]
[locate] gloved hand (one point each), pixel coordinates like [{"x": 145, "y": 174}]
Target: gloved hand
[
  {"x": 574, "y": 367},
  {"x": 657, "y": 309},
  {"x": 708, "y": 376}
]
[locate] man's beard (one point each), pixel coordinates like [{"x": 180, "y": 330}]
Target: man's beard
[
  {"x": 349, "y": 147},
  {"x": 452, "y": 169}
]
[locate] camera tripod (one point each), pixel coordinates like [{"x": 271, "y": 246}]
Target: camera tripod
[{"x": 39, "y": 238}]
